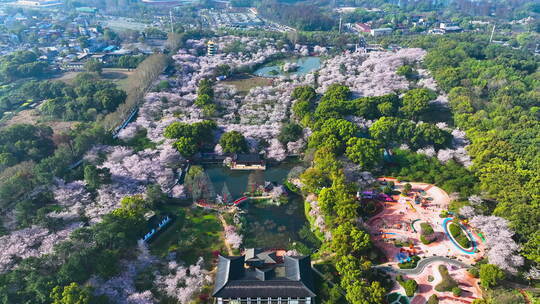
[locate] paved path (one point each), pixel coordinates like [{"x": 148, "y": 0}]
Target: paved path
[
  {"x": 422, "y": 265},
  {"x": 227, "y": 245}
]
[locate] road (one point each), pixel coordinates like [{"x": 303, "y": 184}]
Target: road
[{"x": 422, "y": 265}]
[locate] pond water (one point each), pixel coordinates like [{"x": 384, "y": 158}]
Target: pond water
[
  {"x": 269, "y": 226},
  {"x": 306, "y": 65}
]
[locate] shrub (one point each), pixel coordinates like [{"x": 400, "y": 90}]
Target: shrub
[
  {"x": 426, "y": 229},
  {"x": 456, "y": 291},
  {"x": 424, "y": 240},
  {"x": 447, "y": 282},
  {"x": 443, "y": 214},
  {"x": 407, "y": 188},
  {"x": 410, "y": 287},
  {"x": 433, "y": 299},
  {"x": 490, "y": 275}
]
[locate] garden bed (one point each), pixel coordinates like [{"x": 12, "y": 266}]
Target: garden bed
[
  {"x": 410, "y": 265},
  {"x": 459, "y": 235}
]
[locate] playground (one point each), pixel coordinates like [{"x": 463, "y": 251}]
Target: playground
[{"x": 413, "y": 225}]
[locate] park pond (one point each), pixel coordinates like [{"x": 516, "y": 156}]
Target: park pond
[
  {"x": 274, "y": 68},
  {"x": 269, "y": 226}
]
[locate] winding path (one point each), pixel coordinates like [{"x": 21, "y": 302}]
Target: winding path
[{"x": 422, "y": 265}]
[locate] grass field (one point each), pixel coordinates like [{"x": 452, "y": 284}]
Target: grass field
[
  {"x": 245, "y": 82},
  {"x": 194, "y": 233},
  {"x": 118, "y": 76}
]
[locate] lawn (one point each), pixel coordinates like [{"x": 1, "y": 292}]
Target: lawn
[
  {"x": 447, "y": 282},
  {"x": 245, "y": 82},
  {"x": 116, "y": 75},
  {"x": 194, "y": 233}
]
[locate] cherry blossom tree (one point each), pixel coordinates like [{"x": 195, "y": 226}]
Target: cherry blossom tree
[
  {"x": 30, "y": 242},
  {"x": 502, "y": 249},
  {"x": 121, "y": 288},
  {"x": 181, "y": 282},
  {"x": 232, "y": 237}
]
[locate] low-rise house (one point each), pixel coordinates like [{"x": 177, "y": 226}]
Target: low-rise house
[
  {"x": 264, "y": 277},
  {"x": 381, "y": 31},
  {"x": 362, "y": 28},
  {"x": 248, "y": 162}
]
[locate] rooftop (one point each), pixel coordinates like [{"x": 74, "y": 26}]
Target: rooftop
[{"x": 290, "y": 278}]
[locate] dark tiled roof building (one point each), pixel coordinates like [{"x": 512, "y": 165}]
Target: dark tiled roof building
[{"x": 261, "y": 277}]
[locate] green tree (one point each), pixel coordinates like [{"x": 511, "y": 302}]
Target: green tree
[
  {"x": 416, "y": 102},
  {"x": 301, "y": 108},
  {"x": 314, "y": 180},
  {"x": 289, "y": 132},
  {"x": 155, "y": 196},
  {"x": 490, "y": 275},
  {"x": 531, "y": 249},
  {"x": 71, "y": 294},
  {"x": 186, "y": 146},
  {"x": 233, "y": 142},
  {"x": 407, "y": 71},
  {"x": 131, "y": 207},
  {"x": 93, "y": 65},
  {"x": 95, "y": 177},
  {"x": 177, "y": 130},
  {"x": 223, "y": 70},
  {"x": 365, "y": 152},
  {"x": 304, "y": 93},
  {"x": 349, "y": 239}
]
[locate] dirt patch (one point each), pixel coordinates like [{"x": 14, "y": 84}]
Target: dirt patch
[
  {"x": 245, "y": 82},
  {"x": 34, "y": 117}
]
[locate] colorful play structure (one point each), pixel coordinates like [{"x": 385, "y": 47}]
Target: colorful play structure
[
  {"x": 412, "y": 225},
  {"x": 410, "y": 205},
  {"x": 374, "y": 195},
  {"x": 445, "y": 225},
  {"x": 386, "y": 233},
  {"x": 403, "y": 256}
]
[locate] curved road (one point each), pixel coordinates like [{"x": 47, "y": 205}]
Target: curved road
[{"x": 422, "y": 265}]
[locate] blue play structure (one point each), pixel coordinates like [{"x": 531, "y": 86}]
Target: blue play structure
[
  {"x": 403, "y": 257},
  {"x": 153, "y": 232}
]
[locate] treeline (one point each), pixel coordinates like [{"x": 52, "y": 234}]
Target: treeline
[
  {"x": 21, "y": 64},
  {"x": 301, "y": 16},
  {"x": 138, "y": 84},
  {"x": 334, "y": 136},
  {"x": 494, "y": 93}
]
